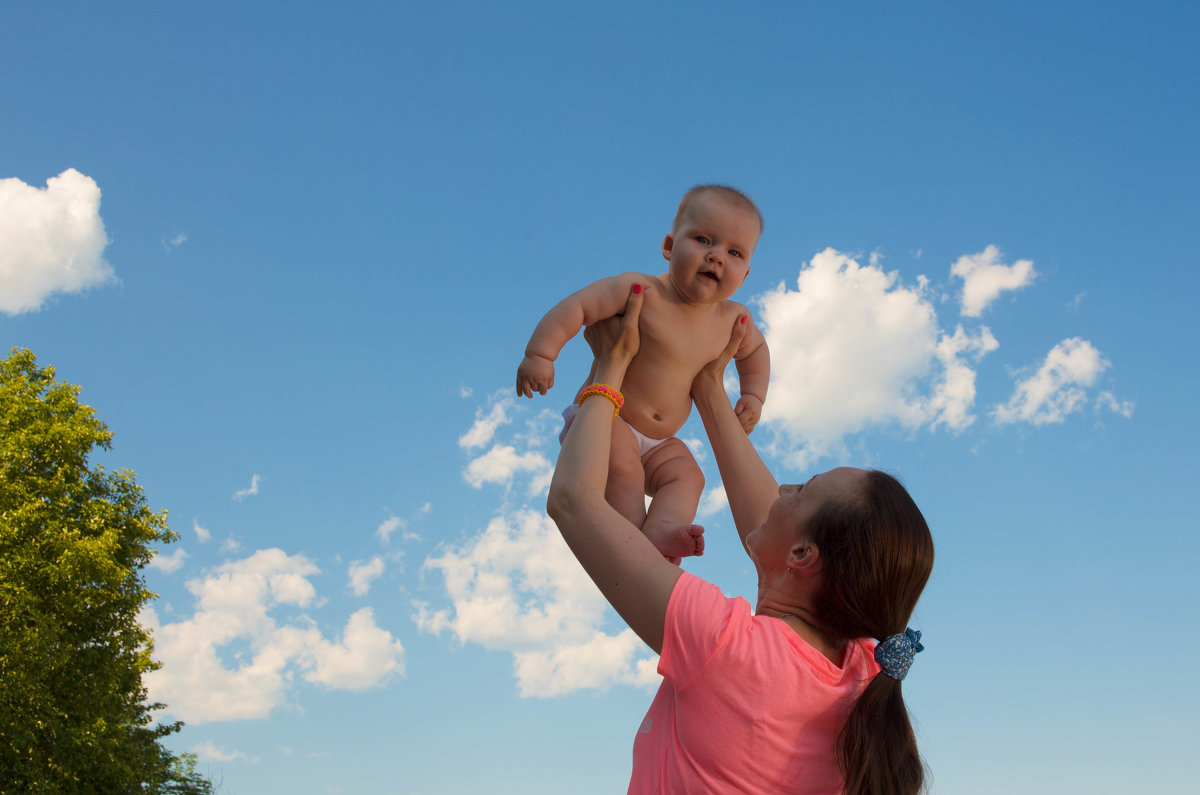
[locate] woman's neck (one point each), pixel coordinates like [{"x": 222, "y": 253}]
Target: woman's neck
[{"x": 803, "y": 622}]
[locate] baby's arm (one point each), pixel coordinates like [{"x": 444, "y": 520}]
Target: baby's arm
[
  {"x": 753, "y": 362},
  {"x": 597, "y": 301}
]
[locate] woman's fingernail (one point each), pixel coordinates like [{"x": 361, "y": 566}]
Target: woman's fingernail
[
  {"x": 637, "y": 289},
  {"x": 742, "y": 320}
]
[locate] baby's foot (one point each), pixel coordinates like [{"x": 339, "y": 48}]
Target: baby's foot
[{"x": 679, "y": 541}]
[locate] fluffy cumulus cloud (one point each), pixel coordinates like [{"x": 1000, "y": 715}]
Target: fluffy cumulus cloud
[
  {"x": 516, "y": 588},
  {"x": 985, "y": 277},
  {"x": 362, "y": 573},
  {"x": 853, "y": 348},
  {"x": 713, "y": 501},
  {"x": 51, "y": 240},
  {"x": 1058, "y": 387},
  {"x": 387, "y": 527},
  {"x": 168, "y": 563},
  {"x": 951, "y": 401},
  {"x": 486, "y": 425},
  {"x": 249, "y": 639},
  {"x": 502, "y": 463}
]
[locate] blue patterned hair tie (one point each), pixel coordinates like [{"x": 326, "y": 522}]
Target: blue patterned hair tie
[{"x": 895, "y": 652}]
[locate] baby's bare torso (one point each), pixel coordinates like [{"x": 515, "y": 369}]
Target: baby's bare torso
[{"x": 677, "y": 341}]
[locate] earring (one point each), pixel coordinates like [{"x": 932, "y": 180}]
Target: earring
[{"x": 791, "y": 574}]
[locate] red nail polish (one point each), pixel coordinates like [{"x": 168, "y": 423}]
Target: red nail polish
[
  {"x": 742, "y": 320},
  {"x": 637, "y": 289}
]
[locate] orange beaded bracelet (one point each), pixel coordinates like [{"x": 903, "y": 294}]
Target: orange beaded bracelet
[{"x": 618, "y": 400}]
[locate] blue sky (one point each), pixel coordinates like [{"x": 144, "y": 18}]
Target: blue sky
[{"x": 292, "y": 253}]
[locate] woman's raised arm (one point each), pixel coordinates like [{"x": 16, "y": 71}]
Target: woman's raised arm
[
  {"x": 748, "y": 483},
  {"x": 631, "y": 573}
]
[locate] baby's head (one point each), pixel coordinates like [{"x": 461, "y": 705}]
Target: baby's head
[
  {"x": 712, "y": 239},
  {"x": 731, "y": 196}
]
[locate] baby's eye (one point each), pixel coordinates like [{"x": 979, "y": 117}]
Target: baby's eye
[
  {"x": 733, "y": 252},
  {"x": 702, "y": 240}
]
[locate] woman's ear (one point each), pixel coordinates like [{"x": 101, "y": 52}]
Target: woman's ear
[
  {"x": 804, "y": 557},
  {"x": 668, "y": 246}
]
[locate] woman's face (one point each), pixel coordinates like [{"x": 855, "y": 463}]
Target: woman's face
[{"x": 789, "y": 514}]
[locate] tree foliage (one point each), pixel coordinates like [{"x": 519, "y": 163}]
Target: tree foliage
[{"x": 74, "y": 539}]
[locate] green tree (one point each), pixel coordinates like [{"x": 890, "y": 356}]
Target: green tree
[{"x": 73, "y": 542}]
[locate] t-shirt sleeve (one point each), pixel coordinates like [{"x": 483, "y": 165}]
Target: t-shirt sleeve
[{"x": 700, "y": 620}]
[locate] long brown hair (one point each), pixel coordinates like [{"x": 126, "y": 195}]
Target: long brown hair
[{"x": 876, "y": 555}]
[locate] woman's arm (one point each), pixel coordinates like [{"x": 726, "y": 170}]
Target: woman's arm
[
  {"x": 748, "y": 483},
  {"x": 633, "y": 576}
]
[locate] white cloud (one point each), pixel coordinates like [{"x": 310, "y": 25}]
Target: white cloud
[
  {"x": 851, "y": 348},
  {"x": 389, "y": 526},
  {"x": 250, "y": 491},
  {"x": 208, "y": 752},
  {"x": 712, "y": 501},
  {"x": 698, "y": 448},
  {"x": 1109, "y": 401},
  {"x": 951, "y": 401},
  {"x": 486, "y": 425},
  {"x": 502, "y": 462},
  {"x": 174, "y": 242},
  {"x": 596, "y": 664},
  {"x": 237, "y": 659},
  {"x": 517, "y": 588},
  {"x": 202, "y": 533},
  {"x": 168, "y": 564},
  {"x": 361, "y": 575},
  {"x": 985, "y": 278},
  {"x": 51, "y": 240},
  {"x": 1057, "y": 388},
  {"x": 366, "y": 656}
]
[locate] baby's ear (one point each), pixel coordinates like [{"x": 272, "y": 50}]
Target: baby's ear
[{"x": 668, "y": 246}]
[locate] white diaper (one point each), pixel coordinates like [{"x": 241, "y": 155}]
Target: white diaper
[{"x": 645, "y": 443}]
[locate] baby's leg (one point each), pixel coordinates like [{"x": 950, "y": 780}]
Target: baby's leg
[
  {"x": 675, "y": 482},
  {"x": 626, "y": 489}
]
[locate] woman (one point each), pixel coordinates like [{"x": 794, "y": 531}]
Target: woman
[{"x": 791, "y": 698}]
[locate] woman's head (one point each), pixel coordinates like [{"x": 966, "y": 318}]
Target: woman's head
[{"x": 876, "y": 554}]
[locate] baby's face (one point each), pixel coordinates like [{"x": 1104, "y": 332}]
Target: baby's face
[{"x": 710, "y": 250}]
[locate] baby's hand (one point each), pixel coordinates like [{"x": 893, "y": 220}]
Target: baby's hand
[
  {"x": 536, "y": 374},
  {"x": 748, "y": 410}
]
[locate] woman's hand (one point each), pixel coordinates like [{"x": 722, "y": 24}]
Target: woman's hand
[
  {"x": 615, "y": 340},
  {"x": 713, "y": 374}
]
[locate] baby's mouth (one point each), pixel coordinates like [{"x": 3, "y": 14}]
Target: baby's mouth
[{"x": 712, "y": 277}]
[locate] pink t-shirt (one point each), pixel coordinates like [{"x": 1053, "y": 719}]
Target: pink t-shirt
[{"x": 746, "y": 705}]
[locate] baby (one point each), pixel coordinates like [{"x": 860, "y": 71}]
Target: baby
[{"x": 685, "y": 323}]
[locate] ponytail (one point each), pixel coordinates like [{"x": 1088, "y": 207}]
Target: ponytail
[
  {"x": 877, "y": 751},
  {"x": 877, "y": 554}
]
